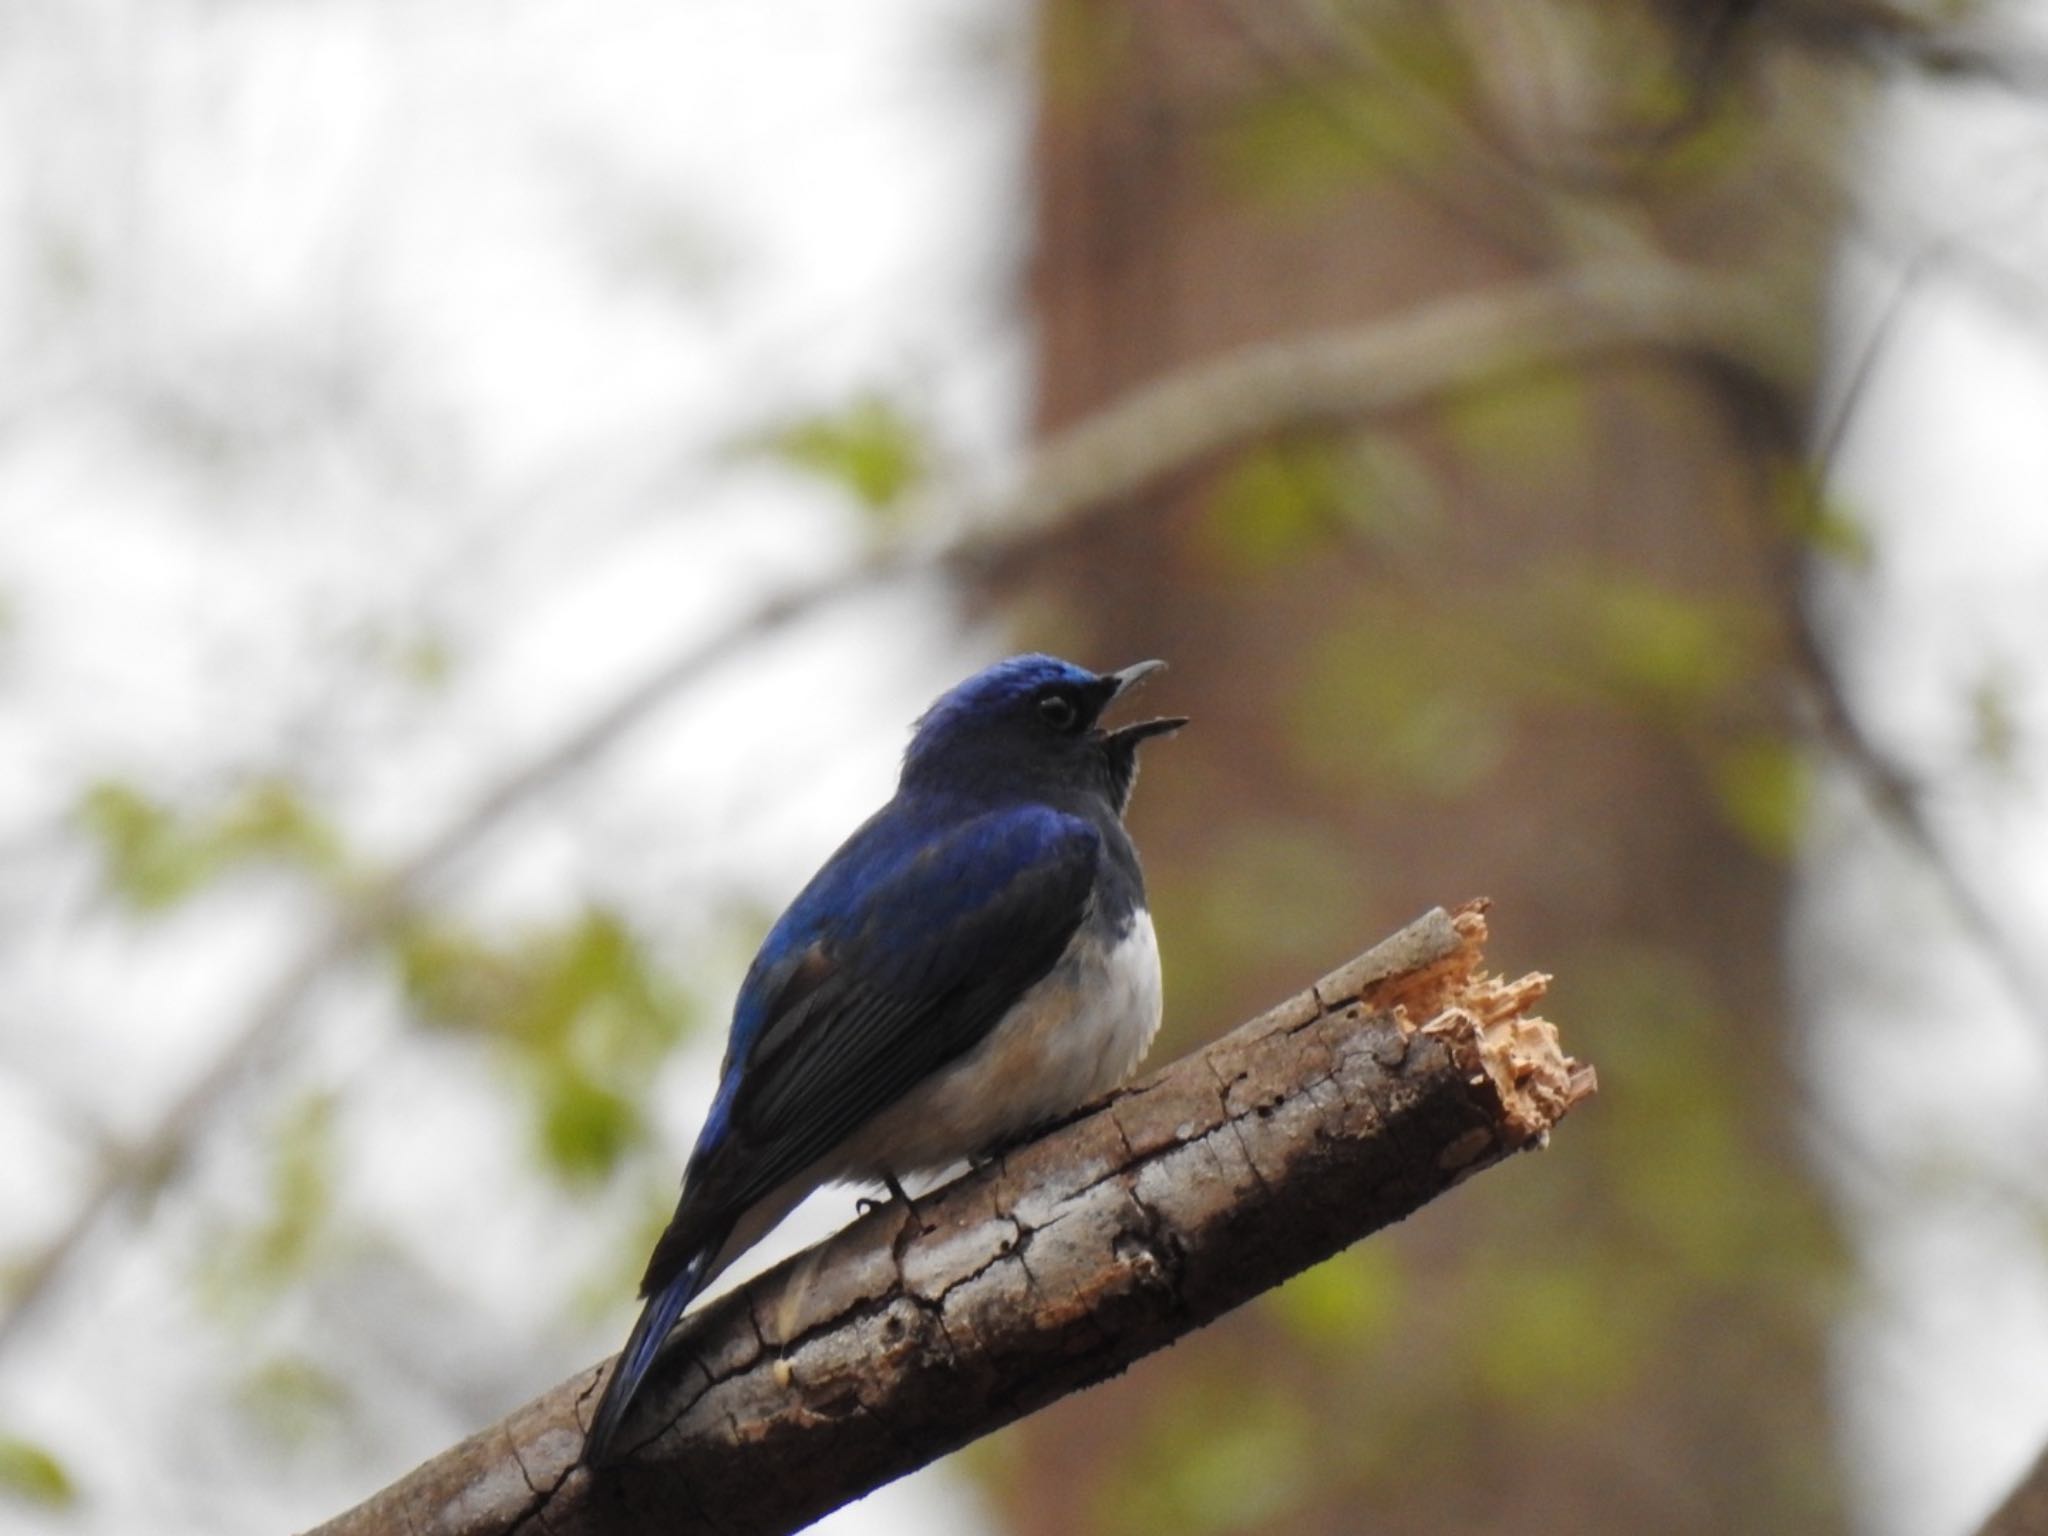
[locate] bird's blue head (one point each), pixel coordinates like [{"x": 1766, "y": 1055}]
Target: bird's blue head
[{"x": 1028, "y": 725}]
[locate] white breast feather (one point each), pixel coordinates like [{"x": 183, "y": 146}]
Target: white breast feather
[{"x": 1080, "y": 1031}]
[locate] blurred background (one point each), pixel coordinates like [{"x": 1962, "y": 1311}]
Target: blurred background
[{"x": 408, "y": 409}]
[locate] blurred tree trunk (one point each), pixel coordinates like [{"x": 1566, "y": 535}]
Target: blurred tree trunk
[{"x": 1558, "y": 601}]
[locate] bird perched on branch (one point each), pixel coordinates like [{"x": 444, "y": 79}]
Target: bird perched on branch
[{"x": 975, "y": 959}]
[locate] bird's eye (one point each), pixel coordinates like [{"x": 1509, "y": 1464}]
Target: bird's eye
[{"x": 1059, "y": 711}]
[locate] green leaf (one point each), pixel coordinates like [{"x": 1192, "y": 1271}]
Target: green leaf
[
  {"x": 1083, "y": 47},
  {"x": 254, "y": 1264},
  {"x": 871, "y": 448},
  {"x": 1721, "y": 134},
  {"x": 150, "y": 861},
  {"x": 1659, "y": 650},
  {"x": 301, "y": 1186},
  {"x": 1995, "y": 734},
  {"x": 1213, "y": 1457},
  {"x": 1534, "y": 425},
  {"x": 1763, "y": 785},
  {"x": 293, "y": 1400},
  {"x": 1401, "y": 706},
  {"x": 585, "y": 1128},
  {"x": 1272, "y": 505},
  {"x": 580, "y": 1010},
  {"x": 426, "y": 660},
  {"x": 1318, "y": 136},
  {"x": 1827, "y": 526},
  {"x": 1395, "y": 502},
  {"x": 270, "y": 820},
  {"x": 453, "y": 978},
  {"x": 586, "y": 989},
  {"x": 32, "y": 1475},
  {"x": 1350, "y": 1301},
  {"x": 1558, "y": 1335},
  {"x": 1301, "y": 145},
  {"x": 1279, "y": 502},
  {"x": 156, "y": 857}
]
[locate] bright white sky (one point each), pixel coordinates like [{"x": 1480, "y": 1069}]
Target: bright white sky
[{"x": 471, "y": 296}]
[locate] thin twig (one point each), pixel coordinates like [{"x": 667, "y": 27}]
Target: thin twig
[{"x": 1922, "y": 37}]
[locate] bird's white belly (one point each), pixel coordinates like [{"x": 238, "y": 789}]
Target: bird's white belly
[{"x": 1081, "y": 1030}]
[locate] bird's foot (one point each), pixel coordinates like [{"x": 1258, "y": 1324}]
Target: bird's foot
[{"x": 898, "y": 1195}]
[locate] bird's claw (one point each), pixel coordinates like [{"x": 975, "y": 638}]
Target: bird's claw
[{"x": 898, "y": 1194}]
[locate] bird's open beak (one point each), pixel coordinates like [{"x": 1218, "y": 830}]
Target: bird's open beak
[
  {"x": 1125, "y": 681},
  {"x": 1133, "y": 675}
]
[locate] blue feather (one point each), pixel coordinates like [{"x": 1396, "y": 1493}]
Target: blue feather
[
  {"x": 998, "y": 884},
  {"x": 637, "y": 1358}
]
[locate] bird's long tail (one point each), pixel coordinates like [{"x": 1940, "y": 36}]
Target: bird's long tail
[{"x": 642, "y": 1345}]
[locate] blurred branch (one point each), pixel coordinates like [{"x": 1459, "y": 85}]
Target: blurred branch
[
  {"x": 1895, "y": 794},
  {"x": 1092, "y": 469},
  {"x": 1942, "y": 42},
  {"x": 1899, "y": 801},
  {"x": 1448, "y": 163},
  {"x": 2025, "y": 1510},
  {"x": 1054, "y": 1267}
]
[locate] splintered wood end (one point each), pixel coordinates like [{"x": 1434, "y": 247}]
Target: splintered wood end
[{"x": 1489, "y": 1024}]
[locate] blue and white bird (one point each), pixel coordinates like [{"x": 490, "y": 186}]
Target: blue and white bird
[{"x": 976, "y": 959}]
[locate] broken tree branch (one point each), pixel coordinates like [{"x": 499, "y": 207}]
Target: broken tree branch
[{"x": 1052, "y": 1268}]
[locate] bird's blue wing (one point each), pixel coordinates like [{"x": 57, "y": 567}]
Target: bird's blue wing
[
  {"x": 905, "y": 951},
  {"x": 883, "y": 977}
]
